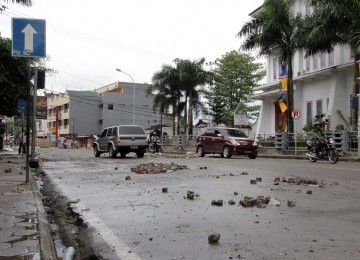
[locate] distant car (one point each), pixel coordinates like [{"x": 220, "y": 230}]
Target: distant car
[
  {"x": 121, "y": 139},
  {"x": 226, "y": 142}
]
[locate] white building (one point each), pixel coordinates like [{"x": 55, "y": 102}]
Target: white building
[{"x": 323, "y": 84}]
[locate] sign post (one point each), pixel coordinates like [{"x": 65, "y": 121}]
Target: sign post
[
  {"x": 295, "y": 114},
  {"x": 28, "y": 40}
]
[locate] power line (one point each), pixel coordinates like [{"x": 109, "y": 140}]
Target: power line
[{"x": 93, "y": 39}]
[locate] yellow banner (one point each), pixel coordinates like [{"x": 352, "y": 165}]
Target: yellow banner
[
  {"x": 283, "y": 106},
  {"x": 284, "y": 82}
]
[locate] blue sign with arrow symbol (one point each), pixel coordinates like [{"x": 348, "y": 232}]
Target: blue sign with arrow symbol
[{"x": 28, "y": 37}]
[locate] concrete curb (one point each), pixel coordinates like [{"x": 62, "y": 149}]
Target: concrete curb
[{"x": 47, "y": 247}]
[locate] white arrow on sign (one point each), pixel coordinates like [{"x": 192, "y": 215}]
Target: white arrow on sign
[{"x": 29, "y": 32}]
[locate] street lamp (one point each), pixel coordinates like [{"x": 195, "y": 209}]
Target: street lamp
[{"x": 119, "y": 70}]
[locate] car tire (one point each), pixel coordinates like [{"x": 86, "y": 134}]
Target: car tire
[
  {"x": 226, "y": 152},
  {"x": 200, "y": 151},
  {"x": 112, "y": 152},
  {"x": 252, "y": 156},
  {"x": 96, "y": 151},
  {"x": 122, "y": 154}
]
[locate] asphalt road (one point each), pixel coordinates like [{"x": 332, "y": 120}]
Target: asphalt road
[{"x": 134, "y": 219}]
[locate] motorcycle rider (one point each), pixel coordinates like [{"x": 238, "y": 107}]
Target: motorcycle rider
[
  {"x": 155, "y": 139},
  {"x": 318, "y": 136}
]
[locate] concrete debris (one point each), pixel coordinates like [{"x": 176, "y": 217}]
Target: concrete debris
[
  {"x": 277, "y": 179},
  {"x": 154, "y": 168},
  {"x": 203, "y": 167},
  {"x": 164, "y": 190},
  {"x": 291, "y": 203},
  {"x": 231, "y": 202},
  {"x": 217, "y": 202},
  {"x": 309, "y": 192},
  {"x": 274, "y": 202},
  {"x": 297, "y": 181},
  {"x": 259, "y": 201},
  {"x": 244, "y": 173},
  {"x": 128, "y": 178},
  {"x": 8, "y": 170},
  {"x": 214, "y": 238},
  {"x": 252, "y": 181},
  {"x": 236, "y": 193},
  {"x": 190, "y": 195},
  {"x": 258, "y": 179}
]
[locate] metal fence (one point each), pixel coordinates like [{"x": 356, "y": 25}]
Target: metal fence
[{"x": 346, "y": 142}]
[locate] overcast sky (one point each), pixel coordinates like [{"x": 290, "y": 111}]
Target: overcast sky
[{"x": 87, "y": 40}]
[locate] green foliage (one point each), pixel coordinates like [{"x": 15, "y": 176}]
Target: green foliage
[
  {"x": 236, "y": 76},
  {"x": 308, "y": 127},
  {"x": 13, "y": 79}
]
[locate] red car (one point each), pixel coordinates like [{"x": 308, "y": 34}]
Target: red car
[{"x": 225, "y": 141}]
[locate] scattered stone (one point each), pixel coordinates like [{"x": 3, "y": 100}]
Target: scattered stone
[
  {"x": 190, "y": 195},
  {"x": 164, "y": 190},
  {"x": 309, "y": 192},
  {"x": 116, "y": 168},
  {"x": 231, "y": 174},
  {"x": 201, "y": 168},
  {"x": 277, "y": 179},
  {"x": 8, "y": 170},
  {"x": 231, "y": 202},
  {"x": 291, "y": 203},
  {"x": 274, "y": 202},
  {"x": 128, "y": 178},
  {"x": 252, "y": 181},
  {"x": 259, "y": 202},
  {"x": 244, "y": 173},
  {"x": 217, "y": 202},
  {"x": 205, "y": 168},
  {"x": 283, "y": 179},
  {"x": 154, "y": 168},
  {"x": 214, "y": 238},
  {"x": 236, "y": 193},
  {"x": 258, "y": 179},
  {"x": 276, "y": 183}
]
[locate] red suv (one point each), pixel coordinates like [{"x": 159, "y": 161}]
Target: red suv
[{"x": 225, "y": 141}]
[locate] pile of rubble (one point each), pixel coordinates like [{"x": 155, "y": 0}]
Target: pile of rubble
[
  {"x": 298, "y": 181},
  {"x": 154, "y": 168}
]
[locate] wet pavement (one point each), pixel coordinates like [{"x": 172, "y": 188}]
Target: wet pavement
[
  {"x": 24, "y": 232},
  {"x": 133, "y": 218}
]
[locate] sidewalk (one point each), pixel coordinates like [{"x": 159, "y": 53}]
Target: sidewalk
[{"x": 24, "y": 230}]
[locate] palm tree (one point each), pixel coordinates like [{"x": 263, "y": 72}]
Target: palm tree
[
  {"x": 335, "y": 22},
  {"x": 165, "y": 86},
  {"x": 21, "y": 2},
  {"x": 192, "y": 76},
  {"x": 275, "y": 29}
]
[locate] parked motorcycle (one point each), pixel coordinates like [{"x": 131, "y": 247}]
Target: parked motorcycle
[
  {"x": 328, "y": 151},
  {"x": 155, "y": 145}
]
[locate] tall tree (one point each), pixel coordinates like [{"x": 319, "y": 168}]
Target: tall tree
[
  {"x": 275, "y": 29},
  {"x": 216, "y": 106},
  {"x": 192, "y": 76},
  {"x": 165, "y": 87},
  {"x": 236, "y": 76},
  {"x": 21, "y": 2},
  {"x": 13, "y": 79},
  {"x": 334, "y": 22}
]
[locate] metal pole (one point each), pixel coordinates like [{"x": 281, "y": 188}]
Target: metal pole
[
  {"x": 27, "y": 179},
  {"x": 33, "y": 136}
]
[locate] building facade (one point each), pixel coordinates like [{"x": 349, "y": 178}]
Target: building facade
[
  {"x": 76, "y": 116},
  {"x": 323, "y": 84}
]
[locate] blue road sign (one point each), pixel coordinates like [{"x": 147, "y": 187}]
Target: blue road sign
[
  {"x": 21, "y": 105},
  {"x": 28, "y": 37}
]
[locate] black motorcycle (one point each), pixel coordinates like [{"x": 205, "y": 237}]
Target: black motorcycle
[
  {"x": 155, "y": 145},
  {"x": 328, "y": 151}
]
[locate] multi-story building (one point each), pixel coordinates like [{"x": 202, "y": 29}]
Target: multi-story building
[
  {"x": 323, "y": 84},
  {"x": 79, "y": 115}
]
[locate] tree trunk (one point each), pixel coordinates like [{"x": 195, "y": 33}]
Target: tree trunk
[
  {"x": 290, "y": 90},
  {"x": 185, "y": 115},
  {"x": 190, "y": 113}
]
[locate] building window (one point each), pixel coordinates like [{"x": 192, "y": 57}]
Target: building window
[
  {"x": 110, "y": 107},
  {"x": 319, "y": 109},
  {"x": 309, "y": 112},
  {"x": 66, "y": 121},
  {"x": 66, "y": 107}
]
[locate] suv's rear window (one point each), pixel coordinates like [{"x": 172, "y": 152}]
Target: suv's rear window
[
  {"x": 235, "y": 133},
  {"x": 125, "y": 130}
]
